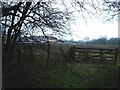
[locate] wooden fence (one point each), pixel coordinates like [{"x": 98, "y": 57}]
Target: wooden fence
[{"x": 106, "y": 55}]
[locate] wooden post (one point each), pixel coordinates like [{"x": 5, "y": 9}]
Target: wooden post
[
  {"x": 74, "y": 53},
  {"x": 87, "y": 55},
  {"x": 101, "y": 55},
  {"x": 115, "y": 55},
  {"x": 48, "y": 52}
]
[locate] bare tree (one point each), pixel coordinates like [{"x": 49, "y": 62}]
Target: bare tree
[
  {"x": 30, "y": 18},
  {"x": 22, "y": 17},
  {"x": 105, "y": 9},
  {"x": 112, "y": 9},
  {"x": 25, "y": 18}
]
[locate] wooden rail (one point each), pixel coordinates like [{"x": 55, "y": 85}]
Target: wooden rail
[{"x": 106, "y": 55}]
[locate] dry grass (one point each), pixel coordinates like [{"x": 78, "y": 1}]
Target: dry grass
[{"x": 34, "y": 74}]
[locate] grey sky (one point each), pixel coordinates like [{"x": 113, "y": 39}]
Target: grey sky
[{"x": 94, "y": 28}]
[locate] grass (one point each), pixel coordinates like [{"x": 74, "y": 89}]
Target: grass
[
  {"x": 70, "y": 75},
  {"x": 84, "y": 76},
  {"x": 34, "y": 74}
]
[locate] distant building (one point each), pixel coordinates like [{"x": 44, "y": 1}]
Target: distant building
[
  {"x": 52, "y": 39},
  {"x": 38, "y": 39}
]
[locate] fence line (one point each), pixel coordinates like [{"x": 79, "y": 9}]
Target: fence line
[{"x": 95, "y": 54}]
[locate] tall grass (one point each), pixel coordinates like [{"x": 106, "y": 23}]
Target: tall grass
[
  {"x": 32, "y": 72},
  {"x": 84, "y": 76}
]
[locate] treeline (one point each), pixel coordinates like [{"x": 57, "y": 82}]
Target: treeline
[
  {"x": 104, "y": 40},
  {"x": 101, "y": 40}
]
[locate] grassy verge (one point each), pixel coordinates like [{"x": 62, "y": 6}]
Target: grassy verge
[
  {"x": 69, "y": 75},
  {"x": 32, "y": 72},
  {"x": 84, "y": 76}
]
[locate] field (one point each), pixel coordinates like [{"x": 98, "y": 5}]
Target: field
[{"x": 33, "y": 70}]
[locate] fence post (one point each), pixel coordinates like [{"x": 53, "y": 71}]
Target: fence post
[
  {"x": 87, "y": 55},
  {"x": 74, "y": 53},
  {"x": 101, "y": 55},
  {"x": 115, "y": 55}
]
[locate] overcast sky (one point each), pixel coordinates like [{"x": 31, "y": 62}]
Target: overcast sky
[{"x": 93, "y": 30}]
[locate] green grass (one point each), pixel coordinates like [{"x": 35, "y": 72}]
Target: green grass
[
  {"x": 34, "y": 74},
  {"x": 71, "y": 75},
  {"x": 84, "y": 76}
]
